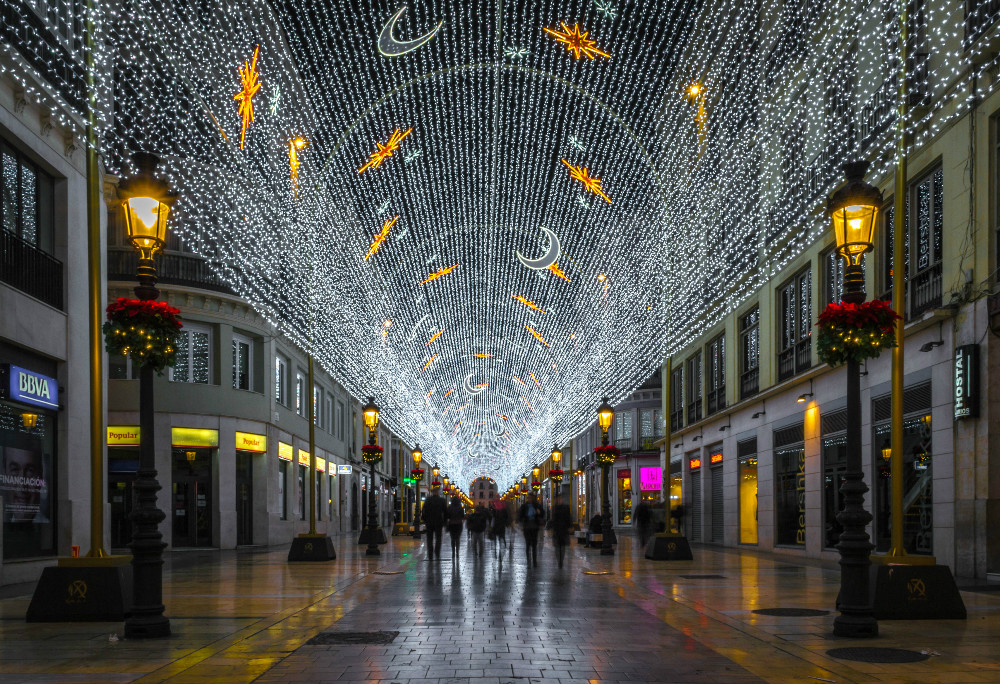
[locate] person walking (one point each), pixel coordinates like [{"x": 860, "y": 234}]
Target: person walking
[
  {"x": 643, "y": 522},
  {"x": 530, "y": 517},
  {"x": 434, "y": 514},
  {"x": 501, "y": 520},
  {"x": 477, "y": 524},
  {"x": 562, "y": 520},
  {"x": 456, "y": 516}
]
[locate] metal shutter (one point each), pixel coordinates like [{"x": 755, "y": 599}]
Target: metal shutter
[
  {"x": 696, "y": 506},
  {"x": 717, "y": 505}
]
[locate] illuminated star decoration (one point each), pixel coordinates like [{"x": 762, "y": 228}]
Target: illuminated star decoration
[
  {"x": 516, "y": 52},
  {"x": 606, "y": 9},
  {"x": 437, "y": 274},
  {"x": 434, "y": 337},
  {"x": 528, "y": 303},
  {"x": 589, "y": 184},
  {"x": 295, "y": 145},
  {"x": 248, "y": 77},
  {"x": 558, "y": 272},
  {"x": 380, "y": 238},
  {"x": 581, "y": 199},
  {"x": 384, "y": 151},
  {"x": 537, "y": 337},
  {"x": 577, "y": 42},
  {"x": 576, "y": 144},
  {"x": 412, "y": 156}
]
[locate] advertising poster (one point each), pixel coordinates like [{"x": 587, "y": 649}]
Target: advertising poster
[{"x": 24, "y": 485}]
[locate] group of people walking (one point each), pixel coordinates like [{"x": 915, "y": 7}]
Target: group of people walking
[{"x": 493, "y": 522}]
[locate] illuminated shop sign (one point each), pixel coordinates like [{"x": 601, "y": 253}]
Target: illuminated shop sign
[
  {"x": 284, "y": 451},
  {"x": 967, "y": 381},
  {"x": 303, "y": 458},
  {"x": 248, "y": 441},
  {"x": 28, "y": 387},
  {"x": 650, "y": 479},
  {"x": 194, "y": 437},
  {"x": 320, "y": 465},
  {"x": 344, "y": 469},
  {"x": 123, "y": 435},
  {"x": 694, "y": 463},
  {"x": 715, "y": 458}
]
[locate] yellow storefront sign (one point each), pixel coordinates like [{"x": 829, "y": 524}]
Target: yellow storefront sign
[
  {"x": 284, "y": 451},
  {"x": 304, "y": 458},
  {"x": 123, "y": 435},
  {"x": 248, "y": 441},
  {"x": 320, "y": 465},
  {"x": 194, "y": 437}
]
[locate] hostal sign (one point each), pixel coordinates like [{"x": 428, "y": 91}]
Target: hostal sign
[{"x": 966, "y": 390}]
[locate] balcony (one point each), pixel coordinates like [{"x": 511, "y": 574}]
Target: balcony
[
  {"x": 795, "y": 359},
  {"x": 30, "y": 270},
  {"x": 980, "y": 15},
  {"x": 717, "y": 400},
  {"x": 750, "y": 383},
  {"x": 925, "y": 294},
  {"x": 638, "y": 444},
  {"x": 172, "y": 269}
]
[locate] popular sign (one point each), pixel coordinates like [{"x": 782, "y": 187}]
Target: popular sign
[
  {"x": 966, "y": 381},
  {"x": 284, "y": 451},
  {"x": 194, "y": 437},
  {"x": 32, "y": 388},
  {"x": 248, "y": 441},
  {"x": 123, "y": 435}
]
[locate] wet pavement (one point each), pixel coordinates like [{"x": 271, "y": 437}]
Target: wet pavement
[{"x": 249, "y": 616}]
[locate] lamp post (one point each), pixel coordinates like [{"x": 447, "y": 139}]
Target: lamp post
[
  {"x": 555, "y": 473},
  {"x": 853, "y": 210},
  {"x": 372, "y": 454},
  {"x": 605, "y": 414},
  {"x": 146, "y": 203},
  {"x": 536, "y": 484},
  {"x": 418, "y": 475}
]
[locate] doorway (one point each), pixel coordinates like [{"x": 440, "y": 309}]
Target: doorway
[
  {"x": 122, "y": 467},
  {"x": 354, "y": 506},
  {"x": 191, "y": 494},
  {"x": 244, "y": 498}
]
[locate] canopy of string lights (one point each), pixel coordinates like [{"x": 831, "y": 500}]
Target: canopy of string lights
[{"x": 490, "y": 215}]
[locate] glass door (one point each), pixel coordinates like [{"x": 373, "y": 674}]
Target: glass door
[
  {"x": 191, "y": 494},
  {"x": 244, "y": 498}
]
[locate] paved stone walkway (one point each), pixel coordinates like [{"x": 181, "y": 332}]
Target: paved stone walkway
[{"x": 247, "y": 616}]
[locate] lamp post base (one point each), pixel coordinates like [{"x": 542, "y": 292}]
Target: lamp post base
[
  {"x": 311, "y": 547},
  {"x": 668, "y": 547},
  {"x": 83, "y": 590},
  {"x": 380, "y": 537},
  {"x": 915, "y": 592}
]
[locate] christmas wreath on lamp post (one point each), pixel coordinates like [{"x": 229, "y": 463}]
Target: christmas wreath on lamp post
[
  {"x": 855, "y": 331},
  {"x": 371, "y": 453},
  {"x": 417, "y": 474},
  {"x": 146, "y": 330},
  {"x": 606, "y": 455}
]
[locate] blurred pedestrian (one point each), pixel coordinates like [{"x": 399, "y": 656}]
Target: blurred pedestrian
[
  {"x": 456, "y": 516},
  {"x": 643, "y": 522},
  {"x": 434, "y": 513},
  {"x": 477, "y": 523},
  {"x": 562, "y": 520},
  {"x": 531, "y": 518}
]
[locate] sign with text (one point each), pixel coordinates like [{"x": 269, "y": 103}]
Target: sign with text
[
  {"x": 194, "y": 437},
  {"x": 123, "y": 435},
  {"x": 284, "y": 451},
  {"x": 694, "y": 463},
  {"x": 966, "y": 388},
  {"x": 320, "y": 465},
  {"x": 344, "y": 469},
  {"x": 715, "y": 458},
  {"x": 303, "y": 458},
  {"x": 650, "y": 479},
  {"x": 248, "y": 441},
  {"x": 31, "y": 388}
]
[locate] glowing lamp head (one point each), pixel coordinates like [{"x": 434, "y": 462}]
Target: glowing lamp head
[
  {"x": 435, "y": 471},
  {"x": 445, "y": 481},
  {"x": 524, "y": 479},
  {"x": 556, "y": 454},
  {"x": 417, "y": 454},
  {"x": 853, "y": 210},
  {"x": 605, "y": 414},
  {"x": 371, "y": 412},
  {"x": 146, "y": 201},
  {"x": 536, "y": 471},
  {"x": 29, "y": 420}
]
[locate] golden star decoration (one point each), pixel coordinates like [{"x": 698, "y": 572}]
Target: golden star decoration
[
  {"x": 558, "y": 272},
  {"x": 295, "y": 146},
  {"x": 380, "y": 238},
  {"x": 438, "y": 274},
  {"x": 248, "y": 78},
  {"x": 383, "y": 152},
  {"x": 590, "y": 184},
  {"x": 576, "y": 42},
  {"x": 528, "y": 303}
]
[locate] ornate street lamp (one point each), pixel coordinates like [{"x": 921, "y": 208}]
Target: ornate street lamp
[
  {"x": 536, "y": 473},
  {"x": 606, "y": 455},
  {"x": 418, "y": 474},
  {"x": 372, "y": 454},
  {"x": 555, "y": 473},
  {"x": 447, "y": 485},
  {"x": 146, "y": 202},
  {"x": 853, "y": 210}
]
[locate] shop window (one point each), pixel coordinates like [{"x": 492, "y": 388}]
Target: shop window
[
  {"x": 329, "y": 493},
  {"x": 694, "y": 388},
  {"x": 795, "y": 331},
  {"x": 750, "y": 353},
  {"x": 624, "y": 497},
  {"x": 242, "y": 362},
  {"x": 918, "y": 521},
  {"x": 715, "y": 374},
  {"x": 281, "y": 380},
  {"x": 282, "y": 488},
  {"x": 790, "y": 486},
  {"x": 319, "y": 497},
  {"x": 301, "y": 510},
  {"x": 194, "y": 355},
  {"x": 27, "y": 200},
  {"x": 677, "y": 398},
  {"x": 834, "y": 455},
  {"x": 746, "y": 451},
  {"x": 27, "y": 481},
  {"x": 675, "y": 492},
  {"x": 300, "y": 394}
]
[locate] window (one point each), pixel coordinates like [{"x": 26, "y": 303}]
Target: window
[
  {"x": 790, "y": 495},
  {"x": 282, "y": 487},
  {"x": 833, "y": 276},
  {"x": 300, "y": 394},
  {"x": 242, "y": 362},
  {"x": 328, "y": 413},
  {"x": 677, "y": 398},
  {"x": 694, "y": 388},
  {"x": 927, "y": 202},
  {"x": 317, "y": 406},
  {"x": 194, "y": 355},
  {"x": 281, "y": 380},
  {"x": 715, "y": 374},
  {"x": 888, "y": 232},
  {"x": 750, "y": 353},
  {"x": 340, "y": 420},
  {"x": 795, "y": 341},
  {"x": 623, "y": 428},
  {"x": 28, "y": 200}
]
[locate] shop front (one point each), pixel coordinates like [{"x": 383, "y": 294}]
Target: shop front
[
  {"x": 29, "y": 405},
  {"x": 624, "y": 497},
  {"x": 193, "y": 451},
  {"x": 248, "y": 447},
  {"x": 746, "y": 453},
  {"x": 123, "y": 463}
]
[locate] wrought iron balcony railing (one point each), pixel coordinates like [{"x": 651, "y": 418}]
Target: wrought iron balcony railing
[
  {"x": 172, "y": 269},
  {"x": 30, "y": 270}
]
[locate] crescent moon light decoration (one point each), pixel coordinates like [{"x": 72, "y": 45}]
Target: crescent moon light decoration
[
  {"x": 469, "y": 387},
  {"x": 390, "y": 47},
  {"x": 550, "y": 257}
]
